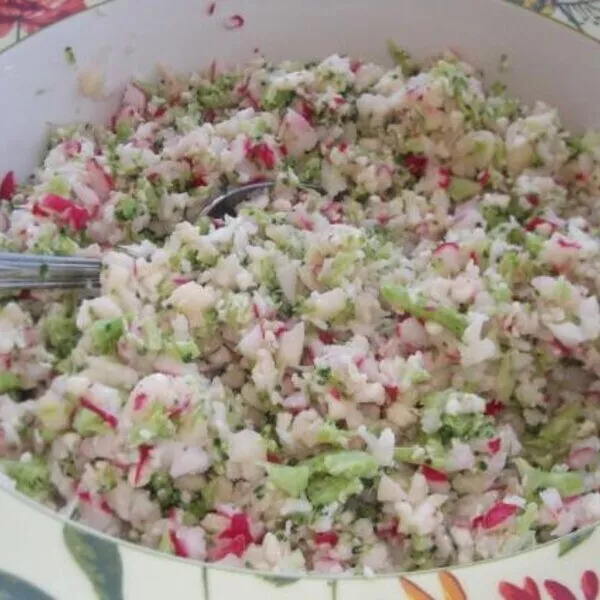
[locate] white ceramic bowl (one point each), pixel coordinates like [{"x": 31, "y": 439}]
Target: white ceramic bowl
[{"x": 42, "y": 557}]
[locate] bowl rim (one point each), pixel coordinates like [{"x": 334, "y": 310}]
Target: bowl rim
[{"x": 290, "y": 577}]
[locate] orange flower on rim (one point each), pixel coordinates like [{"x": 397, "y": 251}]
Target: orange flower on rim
[{"x": 450, "y": 585}]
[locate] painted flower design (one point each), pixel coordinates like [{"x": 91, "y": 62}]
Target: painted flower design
[
  {"x": 541, "y": 6},
  {"x": 554, "y": 590},
  {"x": 451, "y": 588},
  {"x": 33, "y": 15}
]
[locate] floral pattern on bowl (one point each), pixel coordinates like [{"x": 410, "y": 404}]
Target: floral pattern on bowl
[
  {"x": 81, "y": 564},
  {"x": 20, "y": 18},
  {"x": 100, "y": 568}
]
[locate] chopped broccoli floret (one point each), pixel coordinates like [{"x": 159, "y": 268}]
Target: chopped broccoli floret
[
  {"x": 106, "y": 333},
  {"x": 32, "y": 477}
]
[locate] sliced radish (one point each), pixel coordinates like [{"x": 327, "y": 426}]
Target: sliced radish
[
  {"x": 326, "y": 538},
  {"x": 433, "y": 475},
  {"x": 416, "y": 164},
  {"x": 135, "y": 97},
  {"x": 140, "y": 401},
  {"x": 178, "y": 546},
  {"x": 98, "y": 179},
  {"x": 581, "y": 458},
  {"x": 297, "y": 133},
  {"x": 144, "y": 454},
  {"x": 493, "y": 408},
  {"x": 72, "y": 148},
  {"x": 496, "y": 515},
  {"x": 262, "y": 154},
  {"x": 387, "y": 530},
  {"x": 565, "y": 243},
  {"x": 107, "y": 417},
  {"x": 449, "y": 254},
  {"x": 236, "y": 546},
  {"x": 484, "y": 177},
  {"x": 542, "y": 225},
  {"x": 291, "y": 344},
  {"x": 8, "y": 186},
  {"x": 234, "y": 22},
  {"x": 494, "y": 446},
  {"x": 444, "y": 178},
  {"x": 391, "y": 392}
]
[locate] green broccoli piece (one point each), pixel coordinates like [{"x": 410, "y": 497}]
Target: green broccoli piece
[
  {"x": 106, "y": 333},
  {"x": 61, "y": 334},
  {"x": 162, "y": 490},
  {"x": 126, "y": 209},
  {"x": 9, "y": 382},
  {"x": 399, "y": 299},
  {"x": 325, "y": 489},
  {"x": 291, "y": 480},
  {"x": 32, "y": 477}
]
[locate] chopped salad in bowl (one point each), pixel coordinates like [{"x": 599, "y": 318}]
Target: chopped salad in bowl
[{"x": 399, "y": 372}]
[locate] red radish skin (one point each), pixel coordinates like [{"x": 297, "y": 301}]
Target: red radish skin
[
  {"x": 449, "y": 254},
  {"x": 326, "y": 337},
  {"x": 223, "y": 548},
  {"x": 391, "y": 393},
  {"x": 135, "y": 97},
  {"x": 144, "y": 455},
  {"x": 72, "y": 148},
  {"x": 274, "y": 458},
  {"x": 416, "y": 164},
  {"x": 108, "y": 418},
  {"x": 262, "y": 154},
  {"x": 444, "y": 178},
  {"x": 493, "y": 408},
  {"x": 539, "y": 223},
  {"x": 564, "y": 243},
  {"x": 67, "y": 212},
  {"x": 239, "y": 525},
  {"x": 495, "y": 516},
  {"x": 8, "y": 187},
  {"x": 494, "y": 446},
  {"x": 484, "y": 177},
  {"x": 178, "y": 546},
  {"x": 581, "y": 458},
  {"x": 99, "y": 180},
  {"x": 335, "y": 393},
  {"x": 140, "y": 401},
  {"x": 326, "y": 538},
  {"x": 234, "y": 22},
  {"x": 388, "y": 530},
  {"x": 433, "y": 475}
]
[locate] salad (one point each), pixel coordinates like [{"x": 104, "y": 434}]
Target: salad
[{"x": 399, "y": 372}]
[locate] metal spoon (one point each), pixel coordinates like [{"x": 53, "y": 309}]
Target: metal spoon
[{"x": 33, "y": 271}]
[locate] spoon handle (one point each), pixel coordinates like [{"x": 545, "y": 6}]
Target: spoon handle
[{"x": 32, "y": 271}]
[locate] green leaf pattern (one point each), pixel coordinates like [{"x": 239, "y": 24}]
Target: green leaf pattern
[
  {"x": 279, "y": 580},
  {"x": 569, "y": 543},
  {"x": 15, "y": 588},
  {"x": 99, "y": 559}
]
